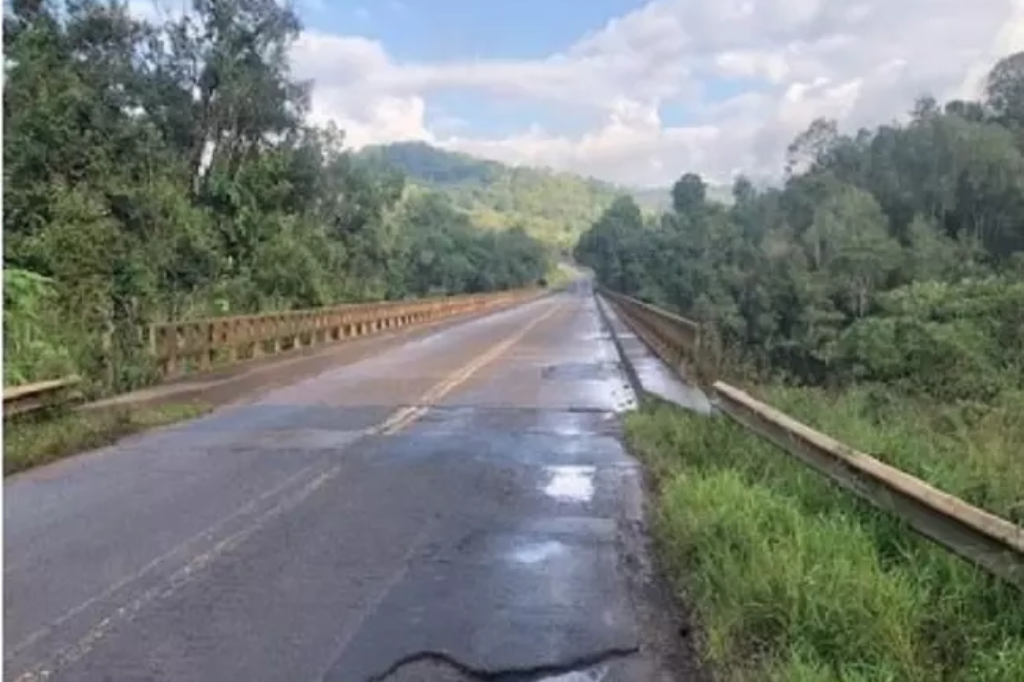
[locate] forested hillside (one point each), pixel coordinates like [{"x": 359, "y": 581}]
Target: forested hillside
[
  {"x": 891, "y": 255},
  {"x": 553, "y": 207},
  {"x": 166, "y": 171}
]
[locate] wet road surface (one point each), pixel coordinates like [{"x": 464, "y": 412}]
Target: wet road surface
[{"x": 458, "y": 507}]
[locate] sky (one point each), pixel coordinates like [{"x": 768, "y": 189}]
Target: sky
[{"x": 638, "y": 92}]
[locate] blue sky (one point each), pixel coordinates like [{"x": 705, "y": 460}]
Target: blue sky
[
  {"x": 437, "y": 30},
  {"x": 638, "y": 91},
  {"x": 449, "y": 30}
]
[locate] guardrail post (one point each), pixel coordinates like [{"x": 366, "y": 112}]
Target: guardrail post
[
  {"x": 233, "y": 334},
  {"x": 205, "y": 334},
  {"x": 258, "y": 331},
  {"x": 175, "y": 338},
  {"x": 278, "y": 336}
]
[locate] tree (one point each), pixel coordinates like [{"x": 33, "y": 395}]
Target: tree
[
  {"x": 156, "y": 171},
  {"x": 743, "y": 191},
  {"x": 799, "y": 277},
  {"x": 689, "y": 194},
  {"x": 811, "y": 146},
  {"x": 860, "y": 255},
  {"x": 1004, "y": 88}
]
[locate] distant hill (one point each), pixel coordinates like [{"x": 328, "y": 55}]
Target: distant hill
[
  {"x": 654, "y": 199},
  {"x": 659, "y": 199},
  {"x": 552, "y": 206}
]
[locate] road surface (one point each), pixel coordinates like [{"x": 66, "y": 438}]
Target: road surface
[{"x": 456, "y": 507}]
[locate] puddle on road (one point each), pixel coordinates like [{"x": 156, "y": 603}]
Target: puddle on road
[
  {"x": 537, "y": 552},
  {"x": 570, "y": 483}
]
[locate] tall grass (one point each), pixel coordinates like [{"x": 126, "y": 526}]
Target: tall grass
[
  {"x": 797, "y": 580},
  {"x": 34, "y": 346},
  {"x": 35, "y": 440}
]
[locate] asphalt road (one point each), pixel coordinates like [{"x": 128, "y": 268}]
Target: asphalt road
[{"x": 456, "y": 507}]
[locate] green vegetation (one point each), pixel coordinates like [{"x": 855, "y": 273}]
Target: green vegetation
[
  {"x": 562, "y": 274},
  {"x": 34, "y": 440},
  {"x": 893, "y": 256},
  {"x": 553, "y": 207},
  {"x": 795, "y": 580},
  {"x": 878, "y": 295},
  {"x": 159, "y": 171},
  {"x": 32, "y": 322}
]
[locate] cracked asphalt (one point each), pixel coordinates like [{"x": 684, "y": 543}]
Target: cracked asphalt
[{"x": 456, "y": 507}]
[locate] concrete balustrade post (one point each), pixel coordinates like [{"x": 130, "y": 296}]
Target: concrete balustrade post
[{"x": 178, "y": 348}]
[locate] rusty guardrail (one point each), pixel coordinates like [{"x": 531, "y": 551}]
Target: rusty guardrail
[
  {"x": 986, "y": 540},
  {"x": 196, "y": 345},
  {"x": 39, "y": 395}
]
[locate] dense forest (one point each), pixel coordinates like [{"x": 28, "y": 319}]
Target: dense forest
[
  {"x": 891, "y": 256},
  {"x": 553, "y": 207},
  {"x": 165, "y": 170}
]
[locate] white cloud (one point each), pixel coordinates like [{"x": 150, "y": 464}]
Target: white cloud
[{"x": 861, "y": 61}]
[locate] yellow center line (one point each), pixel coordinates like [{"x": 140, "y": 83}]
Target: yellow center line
[
  {"x": 77, "y": 650},
  {"x": 408, "y": 415}
]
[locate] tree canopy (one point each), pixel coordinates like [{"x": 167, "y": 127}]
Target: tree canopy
[
  {"x": 893, "y": 254},
  {"x": 165, "y": 169}
]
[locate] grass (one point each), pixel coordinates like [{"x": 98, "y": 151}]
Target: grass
[
  {"x": 37, "y": 440},
  {"x": 969, "y": 450},
  {"x": 795, "y": 580}
]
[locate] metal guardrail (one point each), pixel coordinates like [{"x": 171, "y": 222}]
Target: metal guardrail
[
  {"x": 986, "y": 540},
  {"x": 40, "y": 395},
  {"x": 992, "y": 543},
  {"x": 196, "y": 345},
  {"x": 676, "y": 340}
]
